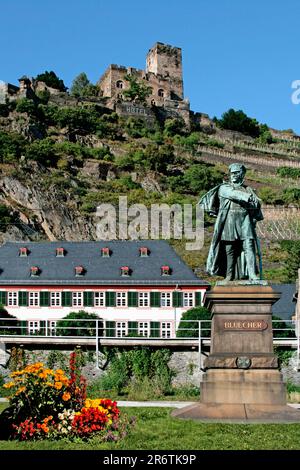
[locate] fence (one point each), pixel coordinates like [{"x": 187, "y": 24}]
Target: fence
[{"x": 285, "y": 332}]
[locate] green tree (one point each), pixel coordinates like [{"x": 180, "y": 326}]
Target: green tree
[
  {"x": 190, "y": 329},
  {"x": 51, "y": 80},
  {"x": 12, "y": 145},
  {"x": 74, "y": 325},
  {"x": 82, "y": 87},
  {"x": 137, "y": 91},
  {"x": 292, "y": 262},
  {"x": 239, "y": 121}
]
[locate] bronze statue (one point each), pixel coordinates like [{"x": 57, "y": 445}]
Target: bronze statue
[{"x": 235, "y": 246}]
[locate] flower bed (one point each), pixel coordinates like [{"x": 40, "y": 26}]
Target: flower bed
[{"x": 46, "y": 404}]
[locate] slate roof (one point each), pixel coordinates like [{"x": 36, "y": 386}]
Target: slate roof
[
  {"x": 15, "y": 270},
  {"x": 285, "y": 306}
]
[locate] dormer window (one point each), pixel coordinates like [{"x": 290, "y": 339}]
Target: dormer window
[
  {"x": 34, "y": 271},
  {"x": 144, "y": 251},
  {"x": 23, "y": 251},
  {"x": 125, "y": 271},
  {"x": 79, "y": 270},
  {"x": 165, "y": 270},
  {"x": 60, "y": 252},
  {"x": 105, "y": 252}
]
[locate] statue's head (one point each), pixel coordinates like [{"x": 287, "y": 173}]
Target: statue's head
[{"x": 237, "y": 173}]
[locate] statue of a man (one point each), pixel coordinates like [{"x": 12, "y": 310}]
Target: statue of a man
[{"x": 234, "y": 244}]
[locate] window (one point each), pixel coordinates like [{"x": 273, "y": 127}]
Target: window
[
  {"x": 105, "y": 252},
  {"x": 121, "y": 329},
  {"x": 34, "y": 299},
  {"x": 188, "y": 299},
  {"x": 34, "y": 271},
  {"x": 144, "y": 299},
  {"x": 144, "y": 251},
  {"x": 77, "y": 299},
  {"x": 33, "y": 327},
  {"x": 165, "y": 329},
  {"x": 121, "y": 299},
  {"x": 23, "y": 251},
  {"x": 165, "y": 299},
  {"x": 119, "y": 84},
  {"x": 165, "y": 270},
  {"x": 99, "y": 299},
  {"x": 55, "y": 299},
  {"x": 60, "y": 252},
  {"x": 12, "y": 299},
  {"x": 125, "y": 271},
  {"x": 52, "y": 327},
  {"x": 79, "y": 270},
  {"x": 161, "y": 93},
  {"x": 144, "y": 328}
]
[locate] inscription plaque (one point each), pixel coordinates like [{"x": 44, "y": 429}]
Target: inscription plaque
[{"x": 244, "y": 325}]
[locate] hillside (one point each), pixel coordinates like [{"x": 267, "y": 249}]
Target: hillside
[{"x": 61, "y": 157}]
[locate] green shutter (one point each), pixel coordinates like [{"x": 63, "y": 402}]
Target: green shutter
[
  {"x": 177, "y": 299},
  {"x": 198, "y": 299},
  {"x": 132, "y": 299},
  {"x": 3, "y": 298},
  {"x": 66, "y": 299},
  {"x": 88, "y": 299},
  {"x": 110, "y": 299},
  {"x": 133, "y": 328},
  {"x": 154, "y": 299},
  {"x": 42, "y": 328},
  {"x": 23, "y": 299},
  {"x": 44, "y": 299},
  {"x": 23, "y": 329},
  {"x": 110, "y": 328},
  {"x": 154, "y": 329}
]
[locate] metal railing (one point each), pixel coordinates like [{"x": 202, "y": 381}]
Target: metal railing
[{"x": 285, "y": 332}]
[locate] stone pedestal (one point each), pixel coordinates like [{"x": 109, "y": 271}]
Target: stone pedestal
[{"x": 242, "y": 381}]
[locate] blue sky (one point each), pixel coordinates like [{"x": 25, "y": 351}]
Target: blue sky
[{"x": 239, "y": 54}]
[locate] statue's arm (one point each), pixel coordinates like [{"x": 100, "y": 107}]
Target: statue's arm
[{"x": 228, "y": 192}]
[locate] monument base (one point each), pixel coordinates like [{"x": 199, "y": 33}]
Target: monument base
[
  {"x": 238, "y": 413},
  {"x": 227, "y": 386},
  {"x": 242, "y": 382}
]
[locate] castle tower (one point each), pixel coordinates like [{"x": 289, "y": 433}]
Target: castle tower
[{"x": 166, "y": 61}]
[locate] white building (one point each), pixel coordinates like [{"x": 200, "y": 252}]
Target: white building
[{"x": 138, "y": 287}]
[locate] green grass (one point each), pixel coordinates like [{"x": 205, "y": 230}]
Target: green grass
[{"x": 156, "y": 430}]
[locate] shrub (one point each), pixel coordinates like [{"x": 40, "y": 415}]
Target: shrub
[
  {"x": 174, "y": 126},
  {"x": 43, "y": 151},
  {"x": 238, "y": 121},
  {"x": 51, "y": 80},
  {"x": 132, "y": 371},
  {"x": 9, "y": 325},
  {"x": 24, "y": 105},
  {"x": 288, "y": 172},
  {"x": 79, "y": 324},
  {"x": 190, "y": 329},
  {"x": 12, "y": 145},
  {"x": 292, "y": 262}
]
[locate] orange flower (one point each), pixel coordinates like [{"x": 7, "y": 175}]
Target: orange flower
[
  {"x": 58, "y": 385},
  {"x": 66, "y": 396}
]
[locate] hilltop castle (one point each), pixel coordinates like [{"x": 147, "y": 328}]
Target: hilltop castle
[{"x": 163, "y": 74}]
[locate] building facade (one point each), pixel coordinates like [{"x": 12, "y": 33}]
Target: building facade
[{"x": 134, "y": 287}]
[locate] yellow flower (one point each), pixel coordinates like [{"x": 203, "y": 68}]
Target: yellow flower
[
  {"x": 66, "y": 396},
  {"x": 9, "y": 385}
]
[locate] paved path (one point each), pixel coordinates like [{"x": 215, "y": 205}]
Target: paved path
[{"x": 160, "y": 404}]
